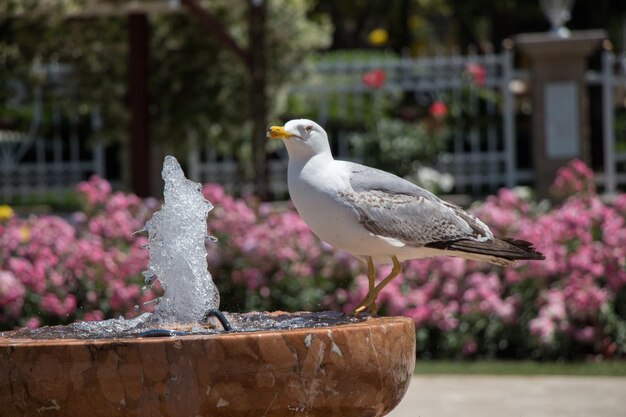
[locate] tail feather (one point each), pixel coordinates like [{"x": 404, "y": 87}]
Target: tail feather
[{"x": 494, "y": 251}]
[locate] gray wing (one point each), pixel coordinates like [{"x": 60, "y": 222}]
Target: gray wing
[{"x": 393, "y": 207}]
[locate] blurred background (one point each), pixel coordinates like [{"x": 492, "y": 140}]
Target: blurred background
[{"x": 518, "y": 106}]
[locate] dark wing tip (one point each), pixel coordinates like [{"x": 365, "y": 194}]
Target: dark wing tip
[
  {"x": 527, "y": 247},
  {"x": 508, "y": 249}
]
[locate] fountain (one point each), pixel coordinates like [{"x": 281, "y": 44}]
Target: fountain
[{"x": 183, "y": 361}]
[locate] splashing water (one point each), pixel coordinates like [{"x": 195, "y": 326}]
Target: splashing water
[{"x": 176, "y": 242}]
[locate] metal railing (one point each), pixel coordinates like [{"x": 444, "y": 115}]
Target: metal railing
[
  {"x": 34, "y": 163},
  {"x": 612, "y": 80},
  {"x": 478, "y": 157}
]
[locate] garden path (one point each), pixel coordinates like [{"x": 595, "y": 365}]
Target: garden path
[{"x": 513, "y": 396}]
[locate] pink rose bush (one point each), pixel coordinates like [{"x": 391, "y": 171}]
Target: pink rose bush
[
  {"x": 574, "y": 179},
  {"x": 572, "y": 305},
  {"x": 55, "y": 270}
]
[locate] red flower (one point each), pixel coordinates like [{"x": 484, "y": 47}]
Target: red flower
[
  {"x": 438, "y": 110},
  {"x": 374, "y": 78},
  {"x": 477, "y": 72}
]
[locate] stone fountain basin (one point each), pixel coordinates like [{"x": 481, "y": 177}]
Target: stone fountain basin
[{"x": 358, "y": 369}]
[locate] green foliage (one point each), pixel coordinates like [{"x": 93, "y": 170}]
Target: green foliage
[
  {"x": 96, "y": 50},
  {"x": 204, "y": 87},
  {"x": 198, "y": 88},
  {"x": 58, "y": 201},
  {"x": 397, "y": 145}
]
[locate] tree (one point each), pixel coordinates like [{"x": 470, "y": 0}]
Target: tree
[
  {"x": 198, "y": 87},
  {"x": 426, "y": 26}
]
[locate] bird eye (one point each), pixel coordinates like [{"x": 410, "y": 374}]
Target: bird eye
[{"x": 308, "y": 128}]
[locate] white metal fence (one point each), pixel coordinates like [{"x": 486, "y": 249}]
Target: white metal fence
[
  {"x": 612, "y": 80},
  {"x": 206, "y": 165},
  {"x": 480, "y": 157},
  {"x": 51, "y": 156}
]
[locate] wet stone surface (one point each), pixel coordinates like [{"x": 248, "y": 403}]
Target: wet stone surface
[{"x": 240, "y": 322}]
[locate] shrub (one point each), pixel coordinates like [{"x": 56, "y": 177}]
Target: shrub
[
  {"x": 570, "y": 306},
  {"x": 55, "y": 270},
  {"x": 393, "y": 144}
]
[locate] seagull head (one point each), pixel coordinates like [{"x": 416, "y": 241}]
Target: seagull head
[{"x": 303, "y": 138}]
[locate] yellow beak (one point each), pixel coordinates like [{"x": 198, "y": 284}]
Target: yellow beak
[{"x": 278, "y": 132}]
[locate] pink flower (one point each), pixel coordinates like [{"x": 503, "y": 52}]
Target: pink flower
[
  {"x": 419, "y": 314},
  {"x": 93, "y": 315},
  {"x": 585, "y": 335},
  {"x": 374, "y": 78},
  {"x": 32, "y": 323},
  {"x": 543, "y": 328},
  {"x": 264, "y": 292},
  {"x": 122, "y": 295},
  {"x": 477, "y": 72},
  {"x": 95, "y": 191},
  {"x": 469, "y": 348},
  {"x": 574, "y": 178},
  {"x": 438, "y": 110},
  {"x": 52, "y": 304},
  {"x": 11, "y": 294},
  {"x": 31, "y": 276},
  {"x": 620, "y": 203}
]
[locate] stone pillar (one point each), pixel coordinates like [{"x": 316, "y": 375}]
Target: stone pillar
[{"x": 560, "y": 118}]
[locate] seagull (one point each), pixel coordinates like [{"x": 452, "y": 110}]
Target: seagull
[{"x": 379, "y": 217}]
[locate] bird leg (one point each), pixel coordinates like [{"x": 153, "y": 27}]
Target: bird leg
[
  {"x": 371, "y": 278},
  {"x": 370, "y": 299},
  {"x": 397, "y": 268}
]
